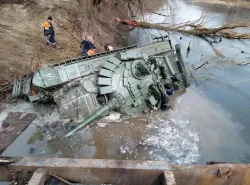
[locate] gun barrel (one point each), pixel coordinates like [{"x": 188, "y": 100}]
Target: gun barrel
[{"x": 90, "y": 119}]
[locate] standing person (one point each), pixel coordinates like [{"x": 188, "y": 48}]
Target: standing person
[
  {"x": 49, "y": 32},
  {"x": 87, "y": 45},
  {"x": 108, "y": 47},
  {"x": 92, "y": 47},
  {"x": 84, "y": 43}
]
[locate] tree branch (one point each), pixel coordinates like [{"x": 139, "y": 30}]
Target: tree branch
[{"x": 196, "y": 28}]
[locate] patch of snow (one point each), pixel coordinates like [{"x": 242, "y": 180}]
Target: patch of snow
[
  {"x": 102, "y": 124},
  {"x": 114, "y": 116}
]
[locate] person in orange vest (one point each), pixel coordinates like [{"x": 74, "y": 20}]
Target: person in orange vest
[
  {"x": 92, "y": 50},
  {"x": 87, "y": 45},
  {"x": 49, "y": 32}
]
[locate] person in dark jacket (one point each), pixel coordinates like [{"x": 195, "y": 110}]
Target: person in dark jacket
[
  {"x": 88, "y": 48},
  {"x": 49, "y": 32},
  {"x": 87, "y": 45}
]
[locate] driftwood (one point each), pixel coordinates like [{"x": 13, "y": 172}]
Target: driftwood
[
  {"x": 196, "y": 28},
  {"x": 244, "y": 63}
]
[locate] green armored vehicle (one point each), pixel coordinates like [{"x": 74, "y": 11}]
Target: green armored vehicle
[{"x": 132, "y": 80}]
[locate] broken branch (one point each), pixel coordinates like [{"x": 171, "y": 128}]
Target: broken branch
[{"x": 196, "y": 28}]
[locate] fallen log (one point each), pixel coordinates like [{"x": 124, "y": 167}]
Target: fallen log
[{"x": 195, "y": 28}]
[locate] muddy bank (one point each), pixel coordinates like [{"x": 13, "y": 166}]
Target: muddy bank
[
  {"x": 23, "y": 47},
  {"x": 21, "y": 32}
]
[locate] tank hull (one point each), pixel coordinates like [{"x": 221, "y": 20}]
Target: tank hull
[{"x": 143, "y": 76}]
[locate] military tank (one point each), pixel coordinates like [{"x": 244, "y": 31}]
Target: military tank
[{"x": 132, "y": 80}]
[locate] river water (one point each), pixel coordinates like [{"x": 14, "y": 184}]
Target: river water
[{"x": 209, "y": 122}]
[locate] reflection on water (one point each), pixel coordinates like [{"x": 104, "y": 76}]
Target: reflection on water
[
  {"x": 208, "y": 122},
  {"x": 221, "y": 80}
]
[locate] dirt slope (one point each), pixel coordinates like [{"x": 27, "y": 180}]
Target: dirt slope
[{"x": 21, "y": 32}]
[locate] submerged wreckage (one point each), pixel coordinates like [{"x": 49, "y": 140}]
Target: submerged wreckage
[{"x": 131, "y": 80}]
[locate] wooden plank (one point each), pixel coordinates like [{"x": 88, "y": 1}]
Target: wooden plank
[
  {"x": 14, "y": 124},
  {"x": 169, "y": 178},
  {"x": 38, "y": 177}
]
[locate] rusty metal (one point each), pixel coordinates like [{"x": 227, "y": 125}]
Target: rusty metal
[
  {"x": 96, "y": 171},
  {"x": 61, "y": 179}
]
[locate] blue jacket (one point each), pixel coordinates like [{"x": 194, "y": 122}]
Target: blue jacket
[
  {"x": 86, "y": 46},
  {"x": 49, "y": 29}
]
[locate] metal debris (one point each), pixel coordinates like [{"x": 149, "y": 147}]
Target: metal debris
[
  {"x": 98, "y": 171},
  {"x": 61, "y": 179}
]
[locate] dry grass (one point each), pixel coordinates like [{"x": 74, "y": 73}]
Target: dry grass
[{"x": 21, "y": 32}]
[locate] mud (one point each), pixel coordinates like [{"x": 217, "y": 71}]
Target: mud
[
  {"x": 22, "y": 46},
  {"x": 55, "y": 130},
  {"x": 12, "y": 1}
]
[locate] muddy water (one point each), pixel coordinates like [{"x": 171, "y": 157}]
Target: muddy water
[
  {"x": 222, "y": 83},
  {"x": 208, "y": 122}
]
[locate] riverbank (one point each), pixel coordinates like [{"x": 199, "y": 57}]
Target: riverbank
[
  {"x": 22, "y": 45},
  {"x": 242, "y": 4}
]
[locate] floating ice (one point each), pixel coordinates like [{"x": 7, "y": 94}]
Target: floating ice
[
  {"x": 114, "y": 116},
  {"x": 102, "y": 124},
  {"x": 172, "y": 140}
]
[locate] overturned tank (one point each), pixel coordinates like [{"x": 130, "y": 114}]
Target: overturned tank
[{"x": 132, "y": 80}]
